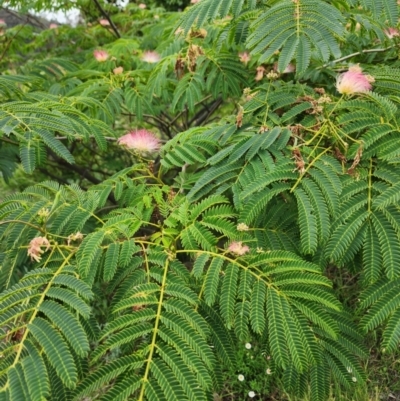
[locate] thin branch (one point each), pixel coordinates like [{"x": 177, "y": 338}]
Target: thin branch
[
  {"x": 205, "y": 113},
  {"x": 357, "y": 54},
  {"x": 196, "y": 104},
  {"x": 107, "y": 138},
  {"x": 10, "y": 41},
  {"x": 8, "y": 140},
  {"x": 105, "y": 14},
  {"x": 83, "y": 172},
  {"x": 23, "y": 222},
  {"x": 55, "y": 177},
  {"x": 162, "y": 125},
  {"x": 26, "y": 18}
]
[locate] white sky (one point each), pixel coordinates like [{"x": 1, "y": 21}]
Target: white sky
[{"x": 70, "y": 16}]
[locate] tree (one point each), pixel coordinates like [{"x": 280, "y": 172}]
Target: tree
[{"x": 277, "y": 175}]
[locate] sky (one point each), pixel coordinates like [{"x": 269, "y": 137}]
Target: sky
[{"x": 71, "y": 16}]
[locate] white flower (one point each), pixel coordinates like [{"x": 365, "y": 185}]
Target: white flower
[
  {"x": 240, "y": 378},
  {"x": 349, "y": 369},
  {"x": 248, "y": 346},
  {"x": 252, "y": 394},
  {"x": 242, "y": 227},
  {"x": 354, "y": 379},
  {"x": 268, "y": 371}
]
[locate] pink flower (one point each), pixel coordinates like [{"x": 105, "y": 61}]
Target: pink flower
[
  {"x": 244, "y": 57},
  {"x": 140, "y": 140},
  {"x": 53, "y": 26},
  {"x": 100, "y": 55},
  {"x": 118, "y": 70},
  {"x": 391, "y": 32},
  {"x": 237, "y": 248},
  {"x": 194, "y": 1},
  {"x": 353, "y": 81},
  {"x": 151, "y": 57},
  {"x": 104, "y": 22},
  {"x": 34, "y": 250},
  {"x": 290, "y": 68},
  {"x": 260, "y": 73},
  {"x": 142, "y": 6}
]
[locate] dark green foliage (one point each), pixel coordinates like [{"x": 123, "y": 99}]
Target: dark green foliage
[{"x": 268, "y": 196}]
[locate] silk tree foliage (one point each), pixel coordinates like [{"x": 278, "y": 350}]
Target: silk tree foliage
[{"x": 142, "y": 285}]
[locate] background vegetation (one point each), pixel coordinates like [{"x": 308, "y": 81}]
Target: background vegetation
[{"x": 242, "y": 243}]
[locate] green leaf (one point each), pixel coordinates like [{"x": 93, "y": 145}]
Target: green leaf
[{"x": 56, "y": 351}]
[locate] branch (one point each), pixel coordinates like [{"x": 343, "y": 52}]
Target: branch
[
  {"x": 53, "y": 176},
  {"x": 26, "y": 18},
  {"x": 23, "y": 222},
  {"x": 10, "y": 41},
  {"x": 205, "y": 113},
  {"x": 83, "y": 172},
  {"x": 8, "y": 140},
  {"x": 357, "y": 54},
  {"x": 101, "y": 9}
]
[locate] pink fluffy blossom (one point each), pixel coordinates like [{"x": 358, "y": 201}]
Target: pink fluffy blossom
[
  {"x": 151, "y": 57},
  {"x": 391, "y": 32},
  {"x": 104, "y": 22},
  {"x": 140, "y": 140},
  {"x": 237, "y": 248},
  {"x": 142, "y": 6},
  {"x": 100, "y": 55},
  {"x": 244, "y": 57},
  {"x": 34, "y": 249},
  {"x": 53, "y": 26},
  {"x": 353, "y": 81},
  {"x": 194, "y": 1}
]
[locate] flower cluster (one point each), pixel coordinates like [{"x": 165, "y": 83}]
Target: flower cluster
[
  {"x": 244, "y": 57},
  {"x": 74, "y": 237},
  {"x": 101, "y": 55},
  {"x": 353, "y": 81},
  {"x": 151, "y": 57},
  {"x": 237, "y": 248},
  {"x": 242, "y": 227},
  {"x": 104, "y": 22},
  {"x": 391, "y": 32},
  {"x": 118, "y": 70},
  {"x": 140, "y": 140},
  {"x": 34, "y": 249}
]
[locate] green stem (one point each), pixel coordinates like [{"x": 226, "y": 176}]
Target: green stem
[
  {"x": 36, "y": 310},
  {"x": 155, "y": 332}
]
